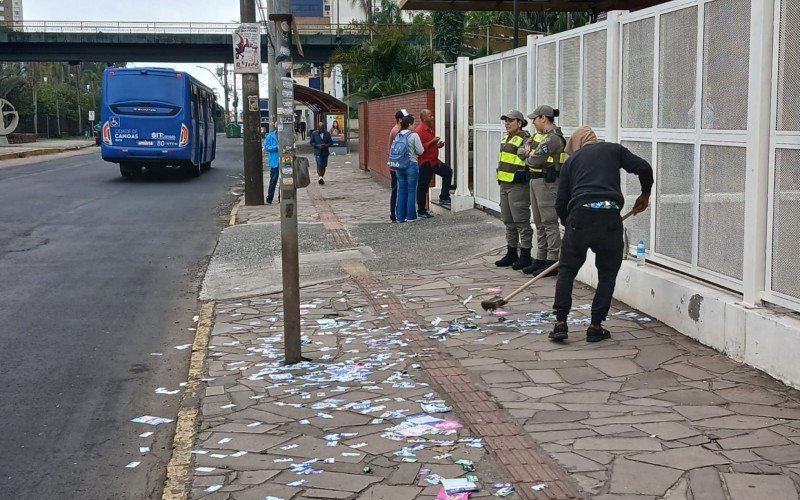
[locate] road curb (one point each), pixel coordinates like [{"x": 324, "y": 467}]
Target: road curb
[
  {"x": 41, "y": 152},
  {"x": 235, "y": 211},
  {"x": 177, "y": 485}
]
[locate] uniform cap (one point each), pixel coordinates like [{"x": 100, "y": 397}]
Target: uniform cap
[
  {"x": 515, "y": 115},
  {"x": 544, "y": 110}
]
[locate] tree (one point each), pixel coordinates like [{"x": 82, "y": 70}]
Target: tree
[
  {"x": 389, "y": 13},
  {"x": 387, "y": 65},
  {"x": 365, "y": 6},
  {"x": 448, "y": 33}
]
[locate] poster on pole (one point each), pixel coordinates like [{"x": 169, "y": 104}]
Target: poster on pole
[{"x": 247, "y": 49}]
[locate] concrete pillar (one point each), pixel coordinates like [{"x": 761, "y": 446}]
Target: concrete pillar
[{"x": 463, "y": 199}]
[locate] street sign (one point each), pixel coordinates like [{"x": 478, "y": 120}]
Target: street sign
[
  {"x": 247, "y": 49},
  {"x": 91, "y": 116}
]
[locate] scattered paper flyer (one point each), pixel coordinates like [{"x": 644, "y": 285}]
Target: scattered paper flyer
[{"x": 150, "y": 420}]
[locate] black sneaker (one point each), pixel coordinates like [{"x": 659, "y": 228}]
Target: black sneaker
[
  {"x": 597, "y": 334},
  {"x": 321, "y": 180},
  {"x": 426, "y": 215},
  {"x": 559, "y": 333},
  {"x": 446, "y": 202}
]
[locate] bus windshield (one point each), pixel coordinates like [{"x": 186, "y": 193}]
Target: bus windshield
[{"x": 129, "y": 87}]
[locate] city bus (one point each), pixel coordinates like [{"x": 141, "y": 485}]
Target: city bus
[{"x": 157, "y": 118}]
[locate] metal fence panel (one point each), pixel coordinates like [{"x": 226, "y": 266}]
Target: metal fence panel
[
  {"x": 481, "y": 164},
  {"x": 545, "y": 74},
  {"x": 637, "y": 73},
  {"x": 789, "y": 66},
  {"x": 721, "y": 231},
  {"x": 569, "y": 66},
  {"x": 594, "y": 79},
  {"x": 674, "y": 203},
  {"x": 726, "y": 54},
  {"x": 510, "y": 86},
  {"x": 494, "y": 89},
  {"x": 480, "y": 95},
  {"x": 785, "y": 273},
  {"x": 676, "y": 69},
  {"x": 637, "y": 228},
  {"x": 522, "y": 75}
]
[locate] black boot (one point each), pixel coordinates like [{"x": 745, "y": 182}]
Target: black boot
[
  {"x": 538, "y": 270},
  {"x": 534, "y": 266},
  {"x": 524, "y": 259},
  {"x": 509, "y": 259}
]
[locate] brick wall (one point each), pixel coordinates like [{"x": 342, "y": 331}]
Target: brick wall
[{"x": 376, "y": 119}]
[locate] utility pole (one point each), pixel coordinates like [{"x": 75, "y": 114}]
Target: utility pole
[
  {"x": 516, "y": 23},
  {"x": 225, "y": 87},
  {"x": 78, "y": 91},
  {"x": 282, "y": 81},
  {"x": 251, "y": 119},
  {"x": 273, "y": 89}
]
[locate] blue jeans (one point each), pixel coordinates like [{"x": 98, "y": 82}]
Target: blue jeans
[
  {"x": 407, "y": 192},
  {"x": 274, "y": 175},
  {"x": 322, "y": 160}
]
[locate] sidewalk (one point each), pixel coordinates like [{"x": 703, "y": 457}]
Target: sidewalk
[
  {"x": 648, "y": 414},
  {"x": 43, "y": 147}
]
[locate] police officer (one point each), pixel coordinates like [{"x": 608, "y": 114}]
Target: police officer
[
  {"x": 515, "y": 201},
  {"x": 543, "y": 154}
]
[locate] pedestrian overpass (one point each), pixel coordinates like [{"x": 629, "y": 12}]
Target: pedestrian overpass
[{"x": 157, "y": 42}]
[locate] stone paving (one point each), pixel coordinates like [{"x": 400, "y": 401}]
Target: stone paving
[
  {"x": 648, "y": 414},
  {"x": 309, "y": 431}
]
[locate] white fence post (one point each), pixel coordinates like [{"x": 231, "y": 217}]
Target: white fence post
[
  {"x": 759, "y": 106},
  {"x": 440, "y": 87},
  {"x": 531, "y": 76},
  {"x": 613, "y": 72},
  {"x": 463, "y": 199}
]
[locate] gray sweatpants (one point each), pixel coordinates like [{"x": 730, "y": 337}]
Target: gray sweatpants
[
  {"x": 543, "y": 205},
  {"x": 515, "y": 212}
]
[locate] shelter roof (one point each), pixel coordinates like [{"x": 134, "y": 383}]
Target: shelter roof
[{"x": 318, "y": 101}]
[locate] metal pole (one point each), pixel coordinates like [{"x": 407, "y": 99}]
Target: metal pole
[
  {"x": 282, "y": 81},
  {"x": 78, "y": 91},
  {"x": 227, "y": 91},
  {"x": 251, "y": 119},
  {"x": 271, "y": 74},
  {"x": 516, "y": 23}
]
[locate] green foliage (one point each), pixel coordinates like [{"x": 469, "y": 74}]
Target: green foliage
[
  {"x": 387, "y": 65},
  {"x": 546, "y": 22},
  {"x": 389, "y": 13},
  {"x": 448, "y": 33}
]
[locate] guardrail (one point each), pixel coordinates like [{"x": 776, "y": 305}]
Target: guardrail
[{"x": 115, "y": 27}]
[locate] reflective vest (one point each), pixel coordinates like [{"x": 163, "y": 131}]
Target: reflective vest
[
  {"x": 551, "y": 160},
  {"x": 510, "y": 163}
]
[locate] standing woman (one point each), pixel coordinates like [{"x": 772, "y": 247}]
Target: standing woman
[
  {"x": 515, "y": 200},
  {"x": 403, "y": 160}
]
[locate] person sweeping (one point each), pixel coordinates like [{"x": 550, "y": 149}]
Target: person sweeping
[{"x": 588, "y": 202}]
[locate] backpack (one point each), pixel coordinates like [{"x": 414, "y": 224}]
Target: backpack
[{"x": 398, "y": 154}]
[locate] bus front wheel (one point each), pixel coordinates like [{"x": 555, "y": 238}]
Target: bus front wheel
[{"x": 205, "y": 167}]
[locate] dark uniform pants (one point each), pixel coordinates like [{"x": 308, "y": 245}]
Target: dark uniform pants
[{"x": 600, "y": 231}]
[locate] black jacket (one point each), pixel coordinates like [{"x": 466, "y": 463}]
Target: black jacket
[{"x": 592, "y": 174}]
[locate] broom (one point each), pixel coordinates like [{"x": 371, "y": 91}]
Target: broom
[{"x": 497, "y": 301}]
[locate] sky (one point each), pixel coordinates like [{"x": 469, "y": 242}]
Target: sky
[{"x": 144, "y": 10}]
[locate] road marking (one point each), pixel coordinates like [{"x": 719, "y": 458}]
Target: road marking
[{"x": 177, "y": 486}]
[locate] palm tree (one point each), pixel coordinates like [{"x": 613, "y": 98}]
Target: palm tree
[{"x": 366, "y": 7}]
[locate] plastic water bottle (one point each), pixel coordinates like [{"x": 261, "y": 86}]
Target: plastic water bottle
[{"x": 640, "y": 250}]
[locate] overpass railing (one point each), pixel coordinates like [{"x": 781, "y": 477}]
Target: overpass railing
[{"x": 116, "y": 27}]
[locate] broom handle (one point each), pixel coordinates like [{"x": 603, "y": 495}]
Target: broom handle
[{"x": 544, "y": 273}]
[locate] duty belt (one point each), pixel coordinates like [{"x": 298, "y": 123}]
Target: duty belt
[{"x": 603, "y": 205}]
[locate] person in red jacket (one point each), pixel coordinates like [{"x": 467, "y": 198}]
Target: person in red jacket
[{"x": 430, "y": 165}]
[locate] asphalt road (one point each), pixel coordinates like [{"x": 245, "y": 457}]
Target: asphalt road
[{"x": 96, "y": 273}]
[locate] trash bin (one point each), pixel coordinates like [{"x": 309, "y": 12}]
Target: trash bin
[{"x": 234, "y": 131}]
